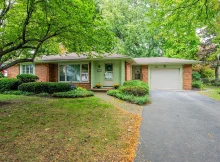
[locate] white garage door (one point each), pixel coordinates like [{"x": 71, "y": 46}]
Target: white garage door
[{"x": 165, "y": 79}]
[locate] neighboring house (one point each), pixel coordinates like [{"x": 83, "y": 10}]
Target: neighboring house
[{"x": 158, "y": 72}]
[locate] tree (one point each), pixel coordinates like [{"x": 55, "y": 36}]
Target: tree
[
  {"x": 130, "y": 22},
  {"x": 31, "y": 28},
  {"x": 178, "y": 21}
]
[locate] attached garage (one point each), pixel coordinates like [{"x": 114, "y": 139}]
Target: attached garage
[
  {"x": 165, "y": 79},
  {"x": 166, "y": 73}
]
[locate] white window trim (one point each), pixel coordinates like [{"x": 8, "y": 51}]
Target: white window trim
[
  {"x": 80, "y": 72},
  {"x": 21, "y": 70}
]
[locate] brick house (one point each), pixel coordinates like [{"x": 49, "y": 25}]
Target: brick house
[{"x": 158, "y": 72}]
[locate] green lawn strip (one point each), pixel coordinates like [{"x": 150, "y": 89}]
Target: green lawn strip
[
  {"x": 212, "y": 92},
  {"x": 47, "y": 129}
]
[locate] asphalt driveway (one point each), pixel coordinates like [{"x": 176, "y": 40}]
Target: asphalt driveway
[{"x": 180, "y": 126}]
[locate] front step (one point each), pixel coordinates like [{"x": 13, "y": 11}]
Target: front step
[{"x": 100, "y": 89}]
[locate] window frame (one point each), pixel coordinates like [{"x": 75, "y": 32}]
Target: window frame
[
  {"x": 21, "y": 68},
  {"x": 65, "y": 64}
]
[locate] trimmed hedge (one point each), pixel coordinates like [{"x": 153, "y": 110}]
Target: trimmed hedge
[
  {"x": 8, "y": 84},
  {"x": 25, "y": 78},
  {"x": 44, "y": 87},
  {"x": 78, "y": 92}
]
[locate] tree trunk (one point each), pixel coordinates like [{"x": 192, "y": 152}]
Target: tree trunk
[{"x": 217, "y": 72}]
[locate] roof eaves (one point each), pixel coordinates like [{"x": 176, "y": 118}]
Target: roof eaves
[{"x": 169, "y": 63}]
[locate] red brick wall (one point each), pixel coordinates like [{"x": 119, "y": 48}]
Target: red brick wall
[
  {"x": 13, "y": 71},
  {"x": 127, "y": 71},
  {"x": 187, "y": 77},
  {"x": 144, "y": 73},
  {"x": 42, "y": 71}
]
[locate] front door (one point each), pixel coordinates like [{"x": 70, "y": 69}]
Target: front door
[{"x": 108, "y": 80}]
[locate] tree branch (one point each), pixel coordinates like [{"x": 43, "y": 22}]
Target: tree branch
[
  {"x": 5, "y": 9},
  {"x": 14, "y": 63}
]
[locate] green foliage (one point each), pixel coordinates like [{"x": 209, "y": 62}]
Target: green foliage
[
  {"x": 130, "y": 23},
  {"x": 17, "y": 92},
  {"x": 140, "y": 100},
  {"x": 44, "y": 87},
  {"x": 76, "y": 93},
  {"x": 7, "y": 84},
  {"x": 135, "y": 87},
  {"x": 207, "y": 72},
  {"x": 215, "y": 83},
  {"x": 177, "y": 22},
  {"x": 25, "y": 78},
  {"x": 39, "y": 26},
  {"x": 136, "y": 83},
  {"x": 196, "y": 76},
  {"x": 197, "y": 85},
  {"x": 1, "y": 75},
  {"x": 134, "y": 91}
]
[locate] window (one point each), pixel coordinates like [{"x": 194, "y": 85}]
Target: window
[
  {"x": 74, "y": 72},
  {"x": 27, "y": 69}
]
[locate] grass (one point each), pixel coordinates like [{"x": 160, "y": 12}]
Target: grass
[
  {"x": 212, "y": 92},
  {"x": 48, "y": 129}
]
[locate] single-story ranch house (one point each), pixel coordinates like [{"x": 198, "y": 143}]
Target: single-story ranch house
[{"x": 158, "y": 72}]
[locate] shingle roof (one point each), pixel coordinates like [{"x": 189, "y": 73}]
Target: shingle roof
[
  {"x": 163, "y": 60},
  {"x": 95, "y": 56},
  {"x": 74, "y": 56}
]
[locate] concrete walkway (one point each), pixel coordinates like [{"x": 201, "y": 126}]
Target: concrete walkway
[{"x": 132, "y": 108}]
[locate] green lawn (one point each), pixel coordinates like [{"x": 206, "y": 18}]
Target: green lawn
[
  {"x": 46, "y": 129},
  {"x": 212, "y": 92}
]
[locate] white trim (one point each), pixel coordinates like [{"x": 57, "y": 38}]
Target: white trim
[
  {"x": 80, "y": 72},
  {"x": 21, "y": 70}
]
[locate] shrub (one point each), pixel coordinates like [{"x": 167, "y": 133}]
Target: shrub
[
  {"x": 196, "y": 75},
  {"x": 207, "y": 72},
  {"x": 136, "y": 83},
  {"x": 215, "y": 83},
  {"x": 206, "y": 81},
  {"x": 135, "y": 87},
  {"x": 78, "y": 92},
  {"x": 25, "y": 78},
  {"x": 197, "y": 84},
  {"x": 1, "y": 75},
  {"x": 13, "y": 92},
  {"x": 140, "y": 100},
  {"x": 8, "y": 84},
  {"x": 134, "y": 90},
  {"x": 47, "y": 87}
]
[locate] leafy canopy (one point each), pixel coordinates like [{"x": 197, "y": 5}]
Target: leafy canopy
[
  {"x": 31, "y": 28},
  {"x": 130, "y": 22},
  {"x": 179, "y": 19}
]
